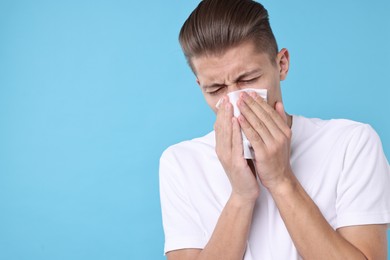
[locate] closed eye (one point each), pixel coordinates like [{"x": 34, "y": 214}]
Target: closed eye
[
  {"x": 248, "y": 81},
  {"x": 215, "y": 92}
]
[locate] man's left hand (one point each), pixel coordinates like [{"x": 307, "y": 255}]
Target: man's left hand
[{"x": 270, "y": 136}]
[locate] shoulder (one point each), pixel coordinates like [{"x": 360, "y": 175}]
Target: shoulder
[
  {"x": 354, "y": 132},
  {"x": 183, "y": 161},
  {"x": 190, "y": 148},
  {"x": 326, "y": 123},
  {"x": 338, "y": 128},
  {"x": 335, "y": 137}
]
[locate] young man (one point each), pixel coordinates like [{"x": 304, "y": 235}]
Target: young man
[{"x": 315, "y": 189}]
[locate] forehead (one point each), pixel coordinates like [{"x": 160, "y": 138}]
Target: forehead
[{"x": 235, "y": 61}]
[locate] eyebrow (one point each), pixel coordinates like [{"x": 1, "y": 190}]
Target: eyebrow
[
  {"x": 240, "y": 77},
  {"x": 247, "y": 74}
]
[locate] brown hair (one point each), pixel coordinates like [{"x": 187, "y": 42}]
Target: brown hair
[{"x": 216, "y": 25}]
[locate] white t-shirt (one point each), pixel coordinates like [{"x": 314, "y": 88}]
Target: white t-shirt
[{"x": 340, "y": 164}]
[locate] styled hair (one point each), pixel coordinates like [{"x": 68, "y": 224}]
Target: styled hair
[{"x": 217, "y": 25}]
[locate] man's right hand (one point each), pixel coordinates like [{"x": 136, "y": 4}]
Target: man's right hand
[
  {"x": 229, "y": 149},
  {"x": 230, "y": 236}
]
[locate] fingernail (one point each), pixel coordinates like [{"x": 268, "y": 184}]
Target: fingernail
[
  {"x": 253, "y": 94},
  {"x": 219, "y": 103},
  {"x": 244, "y": 95}
]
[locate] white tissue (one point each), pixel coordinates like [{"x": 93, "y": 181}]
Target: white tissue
[{"x": 233, "y": 98}]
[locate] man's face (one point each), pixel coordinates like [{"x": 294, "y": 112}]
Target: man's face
[{"x": 239, "y": 68}]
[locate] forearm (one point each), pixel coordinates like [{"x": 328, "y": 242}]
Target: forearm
[
  {"x": 230, "y": 235},
  {"x": 311, "y": 233}
]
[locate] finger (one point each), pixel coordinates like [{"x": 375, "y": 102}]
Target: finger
[
  {"x": 223, "y": 128},
  {"x": 256, "y": 139},
  {"x": 227, "y": 125},
  {"x": 255, "y": 122},
  {"x": 218, "y": 126},
  {"x": 237, "y": 146},
  {"x": 262, "y": 111},
  {"x": 276, "y": 121},
  {"x": 279, "y": 108}
]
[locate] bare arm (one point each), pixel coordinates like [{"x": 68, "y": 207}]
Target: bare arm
[
  {"x": 230, "y": 235},
  {"x": 316, "y": 239},
  {"x": 269, "y": 134}
]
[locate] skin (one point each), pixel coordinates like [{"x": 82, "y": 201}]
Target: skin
[{"x": 267, "y": 127}]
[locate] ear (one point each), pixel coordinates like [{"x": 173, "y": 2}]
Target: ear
[{"x": 283, "y": 63}]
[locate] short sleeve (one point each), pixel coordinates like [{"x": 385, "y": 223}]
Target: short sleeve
[
  {"x": 180, "y": 221},
  {"x": 363, "y": 190}
]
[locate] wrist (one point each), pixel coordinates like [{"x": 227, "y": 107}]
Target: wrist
[
  {"x": 284, "y": 186},
  {"x": 238, "y": 200}
]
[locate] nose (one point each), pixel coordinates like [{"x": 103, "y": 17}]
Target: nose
[{"x": 233, "y": 87}]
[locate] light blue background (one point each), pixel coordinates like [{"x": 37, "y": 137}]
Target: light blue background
[{"x": 92, "y": 92}]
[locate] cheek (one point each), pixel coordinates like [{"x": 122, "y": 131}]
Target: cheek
[
  {"x": 264, "y": 83},
  {"x": 273, "y": 96},
  {"x": 212, "y": 102},
  {"x": 272, "y": 85}
]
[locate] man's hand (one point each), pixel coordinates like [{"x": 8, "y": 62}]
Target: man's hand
[
  {"x": 230, "y": 153},
  {"x": 269, "y": 134}
]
